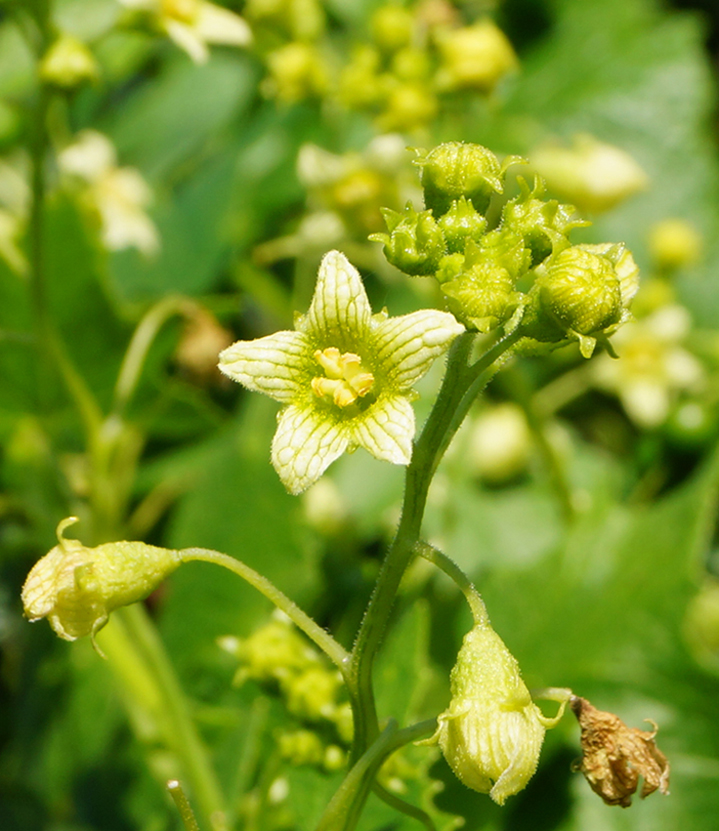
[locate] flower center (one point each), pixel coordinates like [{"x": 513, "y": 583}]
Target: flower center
[{"x": 345, "y": 379}]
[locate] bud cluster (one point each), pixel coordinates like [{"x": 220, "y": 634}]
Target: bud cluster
[
  {"x": 517, "y": 272},
  {"x": 281, "y": 660}
]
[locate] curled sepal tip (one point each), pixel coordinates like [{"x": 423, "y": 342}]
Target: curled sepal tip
[{"x": 76, "y": 587}]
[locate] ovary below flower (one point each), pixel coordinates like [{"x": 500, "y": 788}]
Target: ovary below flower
[
  {"x": 76, "y": 587},
  {"x": 344, "y": 375},
  {"x": 492, "y": 732}
]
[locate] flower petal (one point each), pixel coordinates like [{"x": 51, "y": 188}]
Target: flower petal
[
  {"x": 304, "y": 446},
  {"x": 188, "y": 38},
  {"x": 387, "y": 430},
  {"x": 340, "y": 310},
  {"x": 217, "y": 25},
  {"x": 407, "y": 345},
  {"x": 275, "y": 365}
]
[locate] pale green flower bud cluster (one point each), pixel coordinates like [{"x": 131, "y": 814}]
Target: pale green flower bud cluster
[
  {"x": 279, "y": 658},
  {"x": 411, "y": 56},
  {"x": 519, "y": 272},
  {"x": 76, "y": 587}
]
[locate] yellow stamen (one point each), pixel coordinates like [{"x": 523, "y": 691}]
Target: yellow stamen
[{"x": 345, "y": 379}]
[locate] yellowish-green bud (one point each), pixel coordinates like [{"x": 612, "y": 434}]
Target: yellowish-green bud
[
  {"x": 312, "y": 694},
  {"x": 392, "y": 27},
  {"x": 500, "y": 443},
  {"x": 461, "y": 223},
  {"x": 301, "y": 747},
  {"x": 476, "y": 57},
  {"x": 492, "y": 732},
  {"x": 483, "y": 296},
  {"x": 415, "y": 243},
  {"x": 456, "y": 169},
  {"x": 408, "y": 105},
  {"x": 674, "y": 243},
  {"x": 76, "y": 587},
  {"x": 701, "y": 625},
  {"x": 297, "y": 72},
  {"x": 583, "y": 292},
  {"x": 68, "y": 63}
]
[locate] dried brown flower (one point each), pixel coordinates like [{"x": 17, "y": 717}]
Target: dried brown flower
[{"x": 615, "y": 756}]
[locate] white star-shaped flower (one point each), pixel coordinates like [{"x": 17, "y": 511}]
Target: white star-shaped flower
[{"x": 344, "y": 375}]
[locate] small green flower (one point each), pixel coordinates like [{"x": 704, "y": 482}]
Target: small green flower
[{"x": 344, "y": 375}]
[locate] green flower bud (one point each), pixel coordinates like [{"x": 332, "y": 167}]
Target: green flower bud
[
  {"x": 392, "y": 27},
  {"x": 76, "y": 587},
  {"x": 450, "y": 267},
  {"x": 475, "y": 57},
  {"x": 456, "y": 169},
  {"x": 68, "y": 63},
  {"x": 674, "y": 243},
  {"x": 544, "y": 225},
  {"x": 461, "y": 223},
  {"x": 312, "y": 694},
  {"x": 492, "y": 732},
  {"x": 503, "y": 247},
  {"x": 583, "y": 292},
  {"x": 415, "y": 244},
  {"x": 301, "y": 747},
  {"x": 483, "y": 296},
  {"x": 408, "y": 105},
  {"x": 273, "y": 652}
]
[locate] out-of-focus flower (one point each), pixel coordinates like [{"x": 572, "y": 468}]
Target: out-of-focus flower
[
  {"x": 76, "y": 587},
  {"x": 499, "y": 443},
  {"x": 654, "y": 367},
  {"x": 592, "y": 175},
  {"x": 193, "y": 24},
  {"x": 297, "y": 71},
  {"x": 615, "y": 756},
  {"x": 475, "y": 57},
  {"x": 344, "y": 376},
  {"x": 68, "y": 63},
  {"x": 674, "y": 243},
  {"x": 118, "y": 195}
]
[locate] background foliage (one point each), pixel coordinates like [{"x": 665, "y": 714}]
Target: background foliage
[{"x": 597, "y": 601}]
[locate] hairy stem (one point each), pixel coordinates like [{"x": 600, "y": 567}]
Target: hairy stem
[
  {"x": 462, "y": 383},
  {"x": 334, "y": 651}
]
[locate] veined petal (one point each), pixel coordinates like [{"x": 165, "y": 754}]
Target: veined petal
[
  {"x": 217, "y": 25},
  {"x": 387, "y": 430},
  {"x": 304, "y": 446},
  {"x": 187, "y": 37},
  {"x": 340, "y": 308},
  {"x": 406, "y": 346},
  {"x": 275, "y": 365}
]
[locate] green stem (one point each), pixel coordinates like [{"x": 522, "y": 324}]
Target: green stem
[
  {"x": 404, "y": 807},
  {"x": 157, "y": 704},
  {"x": 336, "y": 653},
  {"x": 142, "y": 338},
  {"x": 184, "y": 808},
  {"x": 461, "y": 384},
  {"x": 345, "y": 807},
  {"x": 455, "y": 573}
]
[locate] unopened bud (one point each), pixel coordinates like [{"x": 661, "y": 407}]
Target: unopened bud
[
  {"x": 476, "y": 57},
  {"x": 76, "y": 587},
  {"x": 415, "y": 243},
  {"x": 461, "y": 223},
  {"x": 674, "y": 243},
  {"x": 68, "y": 63},
  {"x": 456, "y": 169}
]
